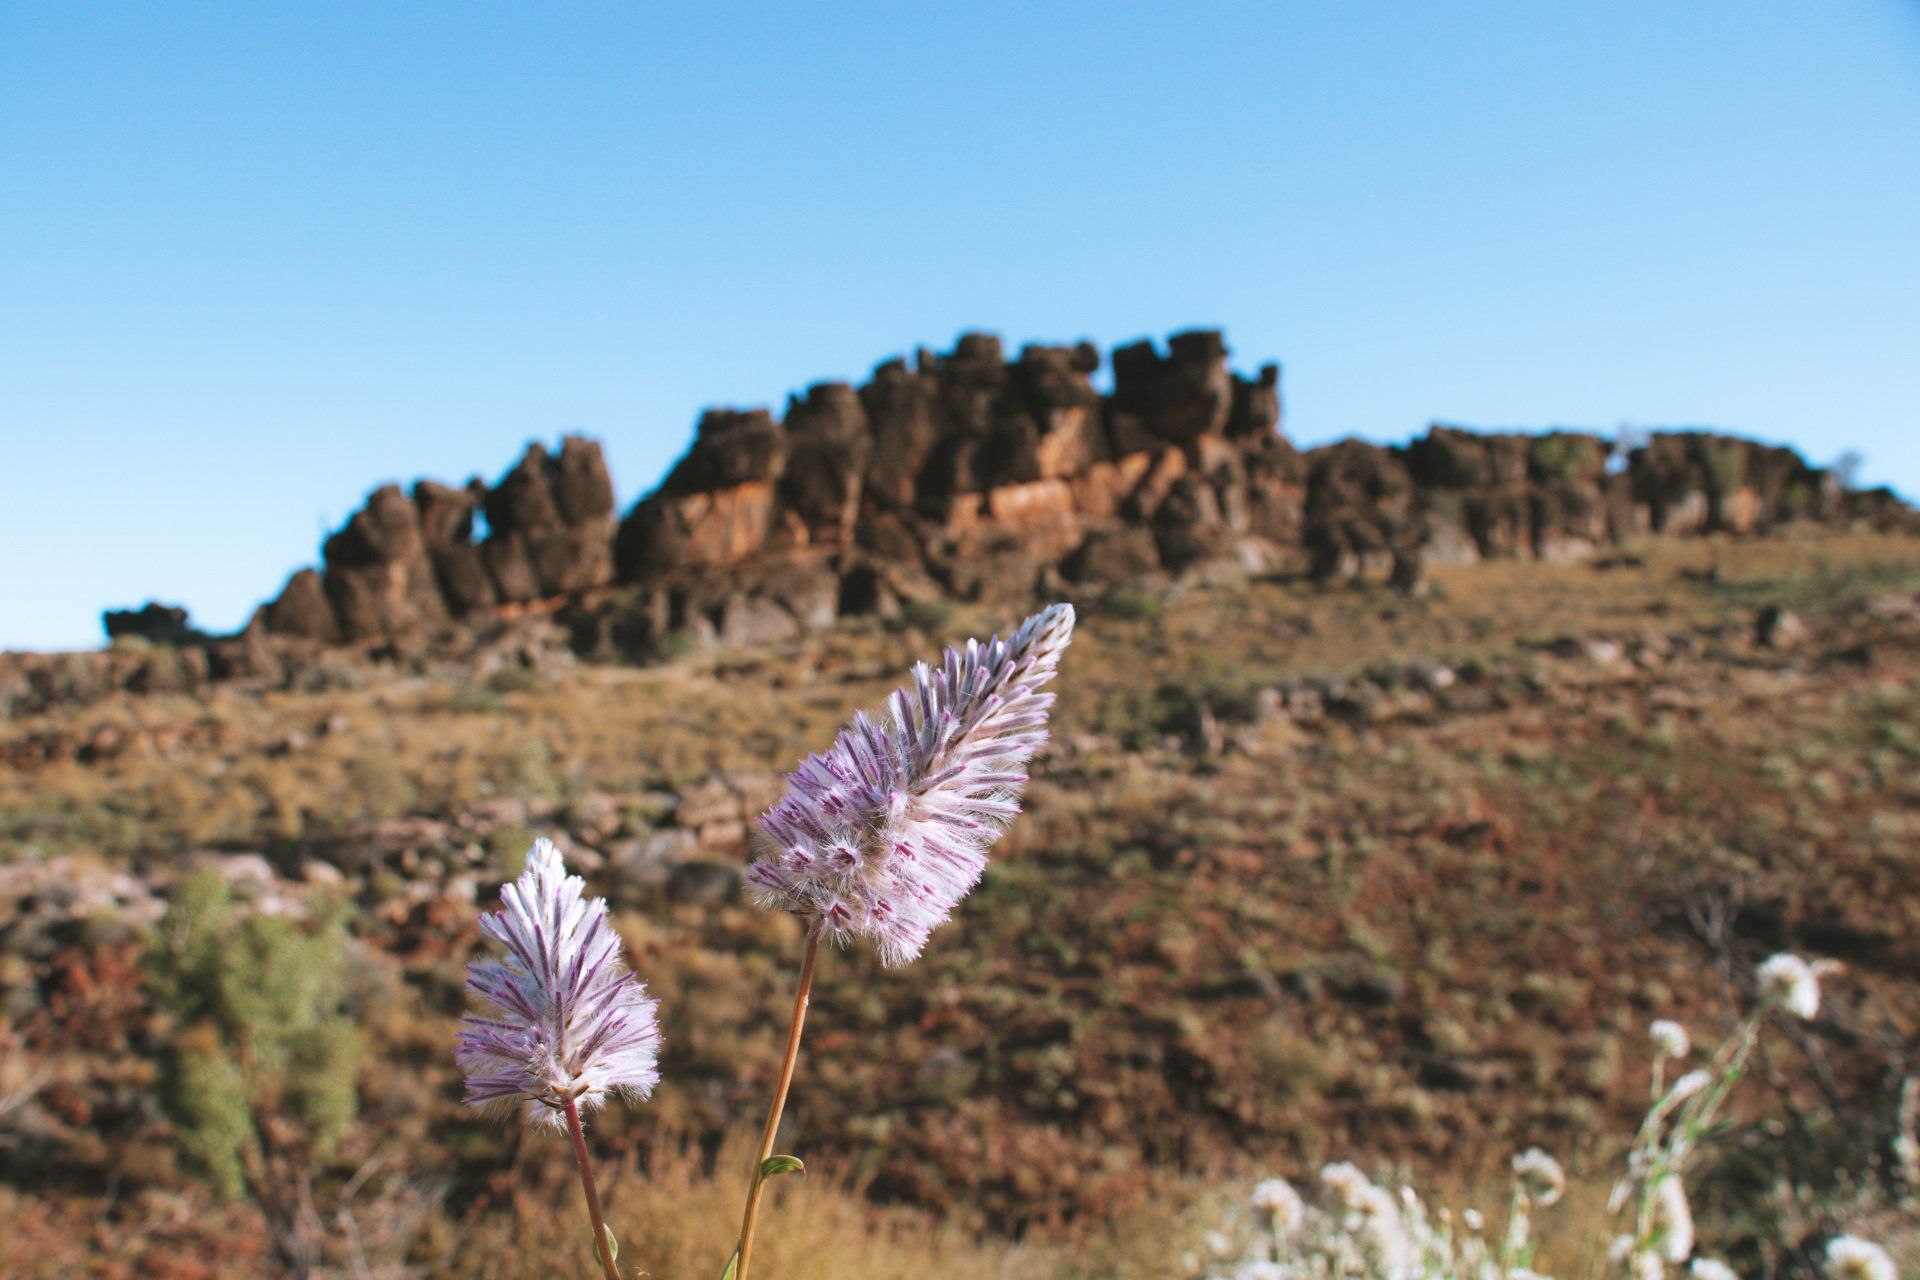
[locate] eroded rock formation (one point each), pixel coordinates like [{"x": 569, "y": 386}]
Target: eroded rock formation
[
  {"x": 407, "y": 562},
  {"x": 967, "y": 474}
]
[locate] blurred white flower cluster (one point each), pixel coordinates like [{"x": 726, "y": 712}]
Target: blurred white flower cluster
[{"x": 1353, "y": 1229}]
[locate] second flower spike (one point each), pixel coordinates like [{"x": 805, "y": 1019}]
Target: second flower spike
[
  {"x": 566, "y": 1022},
  {"x": 881, "y": 835}
]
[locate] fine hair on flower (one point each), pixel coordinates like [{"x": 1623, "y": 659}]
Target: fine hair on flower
[
  {"x": 566, "y": 1020},
  {"x": 882, "y": 834}
]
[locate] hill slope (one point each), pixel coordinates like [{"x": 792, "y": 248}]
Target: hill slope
[{"x": 1308, "y": 873}]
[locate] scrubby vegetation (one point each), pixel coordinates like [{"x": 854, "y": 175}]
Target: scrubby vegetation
[
  {"x": 1309, "y": 876},
  {"x": 260, "y": 1036}
]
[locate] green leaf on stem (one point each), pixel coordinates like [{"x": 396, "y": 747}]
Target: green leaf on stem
[
  {"x": 774, "y": 1166},
  {"x": 610, "y": 1246},
  {"x": 733, "y": 1264}
]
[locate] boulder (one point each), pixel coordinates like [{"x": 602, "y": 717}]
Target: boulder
[
  {"x": 303, "y": 609},
  {"x": 1113, "y": 556},
  {"x": 730, "y": 447},
  {"x": 829, "y": 438},
  {"x": 581, "y": 484},
  {"x": 445, "y": 513},
  {"x": 163, "y": 623},
  {"x": 1179, "y": 396}
]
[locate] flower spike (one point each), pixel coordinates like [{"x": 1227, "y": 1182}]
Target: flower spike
[
  {"x": 882, "y": 834},
  {"x": 565, "y": 1020}
]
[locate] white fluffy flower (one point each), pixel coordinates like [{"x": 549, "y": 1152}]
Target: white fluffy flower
[
  {"x": 1281, "y": 1204},
  {"x": 1790, "y": 982},
  {"x": 1382, "y": 1233},
  {"x": 1673, "y": 1219},
  {"x": 564, "y": 1022},
  {"x": 1851, "y": 1258},
  {"x": 1670, "y": 1038},
  {"x": 1347, "y": 1185},
  {"x": 1475, "y": 1220},
  {"x": 1689, "y": 1084},
  {"x": 1259, "y": 1270},
  {"x": 1648, "y": 1265},
  {"x": 1539, "y": 1175},
  {"x": 1380, "y": 1204},
  {"x": 1711, "y": 1269}
]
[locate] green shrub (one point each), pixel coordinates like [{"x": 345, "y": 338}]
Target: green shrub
[
  {"x": 1561, "y": 456},
  {"x": 518, "y": 680},
  {"x": 381, "y": 785},
  {"x": 1132, "y": 604},
  {"x": 926, "y": 615},
  {"x": 264, "y": 1036}
]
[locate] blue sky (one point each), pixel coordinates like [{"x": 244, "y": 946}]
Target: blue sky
[{"x": 257, "y": 258}]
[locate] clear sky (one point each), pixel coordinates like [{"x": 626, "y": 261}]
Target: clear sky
[{"x": 256, "y": 258}]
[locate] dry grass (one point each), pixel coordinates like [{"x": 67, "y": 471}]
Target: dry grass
[
  {"x": 677, "y": 1221},
  {"x": 1189, "y": 965},
  {"x": 219, "y": 770}
]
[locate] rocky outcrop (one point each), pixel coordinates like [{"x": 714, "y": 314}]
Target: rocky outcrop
[
  {"x": 969, "y": 474},
  {"x": 409, "y": 561},
  {"x": 966, "y": 474},
  {"x": 161, "y": 623}
]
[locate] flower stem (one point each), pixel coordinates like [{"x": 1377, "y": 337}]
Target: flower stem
[
  {"x": 779, "y": 1103},
  {"x": 600, "y": 1249}
]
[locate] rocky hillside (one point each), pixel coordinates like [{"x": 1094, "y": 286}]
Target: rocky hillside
[
  {"x": 958, "y": 476},
  {"x": 1306, "y": 874}
]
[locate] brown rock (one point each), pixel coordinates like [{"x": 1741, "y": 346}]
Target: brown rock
[
  {"x": 1184, "y": 394},
  {"x": 509, "y": 566},
  {"x": 303, "y": 609},
  {"x": 1113, "y": 556},
  {"x": 461, "y": 570},
  {"x": 829, "y": 439},
  {"x": 152, "y": 621},
  {"x": 730, "y": 447},
  {"x": 523, "y": 500},
  {"x": 571, "y": 559},
  {"x": 582, "y": 487},
  {"x": 901, "y": 409},
  {"x": 446, "y": 514}
]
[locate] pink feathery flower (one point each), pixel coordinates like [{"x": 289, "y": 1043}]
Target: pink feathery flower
[
  {"x": 565, "y": 1019},
  {"x": 883, "y": 833}
]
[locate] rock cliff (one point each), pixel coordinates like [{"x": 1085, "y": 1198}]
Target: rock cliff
[
  {"x": 968, "y": 474},
  {"x": 965, "y": 474}
]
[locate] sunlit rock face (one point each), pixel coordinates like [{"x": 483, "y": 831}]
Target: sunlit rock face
[{"x": 974, "y": 474}]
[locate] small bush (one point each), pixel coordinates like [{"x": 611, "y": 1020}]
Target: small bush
[
  {"x": 927, "y": 615},
  {"x": 264, "y": 1038},
  {"x": 1131, "y": 604}
]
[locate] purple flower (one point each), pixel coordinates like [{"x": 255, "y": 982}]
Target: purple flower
[
  {"x": 883, "y": 833},
  {"x": 564, "y": 1017}
]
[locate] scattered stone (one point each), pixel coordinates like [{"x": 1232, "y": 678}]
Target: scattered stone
[
  {"x": 323, "y": 874},
  {"x": 1430, "y": 674},
  {"x": 1601, "y": 652},
  {"x": 702, "y": 883},
  {"x": 650, "y": 859},
  {"x": 706, "y": 803},
  {"x": 1377, "y": 989},
  {"x": 1778, "y": 628}
]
